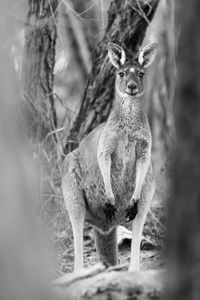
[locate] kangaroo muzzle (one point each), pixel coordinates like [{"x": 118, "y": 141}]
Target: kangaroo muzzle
[{"x": 131, "y": 88}]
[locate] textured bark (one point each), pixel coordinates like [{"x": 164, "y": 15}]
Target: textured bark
[
  {"x": 184, "y": 225},
  {"x": 127, "y": 23},
  {"x": 39, "y": 59}
]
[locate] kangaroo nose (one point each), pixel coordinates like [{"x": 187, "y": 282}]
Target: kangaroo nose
[{"x": 132, "y": 85}]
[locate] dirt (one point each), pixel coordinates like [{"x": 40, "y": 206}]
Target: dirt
[{"x": 152, "y": 246}]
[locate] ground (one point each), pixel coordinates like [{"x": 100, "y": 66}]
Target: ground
[{"x": 152, "y": 245}]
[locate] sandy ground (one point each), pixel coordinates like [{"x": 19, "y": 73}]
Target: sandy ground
[{"x": 152, "y": 246}]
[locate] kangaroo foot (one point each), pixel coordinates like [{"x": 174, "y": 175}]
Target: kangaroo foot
[
  {"x": 109, "y": 211},
  {"x": 132, "y": 211}
]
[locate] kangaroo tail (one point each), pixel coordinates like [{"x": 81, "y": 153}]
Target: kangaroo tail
[{"x": 106, "y": 245}]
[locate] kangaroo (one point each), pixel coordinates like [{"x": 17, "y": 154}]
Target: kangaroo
[{"x": 109, "y": 178}]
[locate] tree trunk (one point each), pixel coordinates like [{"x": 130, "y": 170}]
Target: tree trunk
[
  {"x": 184, "y": 225},
  {"x": 79, "y": 45},
  {"x": 89, "y": 14},
  {"x": 127, "y": 23},
  {"x": 161, "y": 83},
  {"x": 23, "y": 265},
  {"x": 38, "y": 65}
]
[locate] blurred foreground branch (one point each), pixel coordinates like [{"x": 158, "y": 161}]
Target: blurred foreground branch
[{"x": 112, "y": 284}]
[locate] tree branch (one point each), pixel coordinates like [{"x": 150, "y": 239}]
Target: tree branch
[{"x": 147, "y": 285}]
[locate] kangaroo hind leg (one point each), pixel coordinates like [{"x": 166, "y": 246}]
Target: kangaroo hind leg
[
  {"x": 75, "y": 205},
  {"x": 138, "y": 224}
]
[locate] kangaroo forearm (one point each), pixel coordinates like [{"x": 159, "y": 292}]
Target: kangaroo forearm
[
  {"x": 104, "y": 161},
  {"x": 143, "y": 155},
  {"x": 104, "y": 150},
  {"x": 141, "y": 171}
]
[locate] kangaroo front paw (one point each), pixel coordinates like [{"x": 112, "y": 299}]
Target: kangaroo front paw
[
  {"x": 109, "y": 211},
  {"x": 110, "y": 197},
  {"x": 132, "y": 211}
]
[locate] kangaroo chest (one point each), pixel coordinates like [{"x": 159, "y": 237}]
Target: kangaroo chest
[
  {"x": 124, "y": 156},
  {"x": 125, "y": 148},
  {"x": 131, "y": 128}
]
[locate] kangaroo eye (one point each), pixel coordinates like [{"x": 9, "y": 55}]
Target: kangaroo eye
[
  {"x": 121, "y": 74},
  {"x": 141, "y": 74}
]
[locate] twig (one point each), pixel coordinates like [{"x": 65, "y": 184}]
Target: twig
[
  {"x": 54, "y": 131},
  {"x": 141, "y": 12},
  {"x": 70, "y": 8},
  {"x": 85, "y": 273},
  {"x": 118, "y": 267},
  {"x": 54, "y": 19},
  {"x": 156, "y": 219},
  {"x": 148, "y": 240},
  {"x": 102, "y": 17}
]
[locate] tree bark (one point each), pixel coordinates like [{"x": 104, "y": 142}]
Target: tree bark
[
  {"x": 38, "y": 65},
  {"x": 127, "y": 24},
  {"x": 184, "y": 212}
]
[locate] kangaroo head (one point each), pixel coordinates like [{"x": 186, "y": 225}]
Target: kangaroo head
[{"x": 130, "y": 75}]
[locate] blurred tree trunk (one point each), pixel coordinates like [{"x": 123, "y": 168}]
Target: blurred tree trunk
[
  {"x": 184, "y": 213},
  {"x": 88, "y": 12},
  {"x": 23, "y": 264},
  {"x": 79, "y": 45},
  {"x": 127, "y": 24},
  {"x": 161, "y": 82},
  {"x": 38, "y": 65}
]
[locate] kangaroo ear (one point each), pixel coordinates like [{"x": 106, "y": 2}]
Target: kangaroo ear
[
  {"x": 147, "y": 55},
  {"x": 116, "y": 54}
]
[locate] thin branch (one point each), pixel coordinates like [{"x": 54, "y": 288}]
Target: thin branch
[{"x": 156, "y": 219}]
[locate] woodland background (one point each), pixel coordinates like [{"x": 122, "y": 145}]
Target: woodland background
[{"x": 56, "y": 85}]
